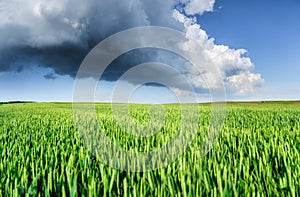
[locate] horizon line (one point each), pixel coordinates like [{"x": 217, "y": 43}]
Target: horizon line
[{"x": 107, "y": 102}]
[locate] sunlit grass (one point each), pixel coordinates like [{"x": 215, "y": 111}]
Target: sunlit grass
[{"x": 258, "y": 151}]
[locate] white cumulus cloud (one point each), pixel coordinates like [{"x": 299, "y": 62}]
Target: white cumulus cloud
[
  {"x": 244, "y": 82},
  {"x": 235, "y": 68},
  {"x": 193, "y": 7}
]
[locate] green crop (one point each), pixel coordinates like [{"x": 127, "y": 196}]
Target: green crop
[{"x": 257, "y": 153}]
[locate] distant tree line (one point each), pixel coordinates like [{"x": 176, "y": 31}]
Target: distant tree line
[{"x": 14, "y": 102}]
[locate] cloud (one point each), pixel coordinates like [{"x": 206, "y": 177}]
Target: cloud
[
  {"x": 59, "y": 34},
  {"x": 193, "y": 7},
  {"x": 244, "y": 82},
  {"x": 235, "y": 68},
  {"x": 50, "y": 76}
]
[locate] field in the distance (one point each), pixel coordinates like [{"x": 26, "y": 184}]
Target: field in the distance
[{"x": 258, "y": 151}]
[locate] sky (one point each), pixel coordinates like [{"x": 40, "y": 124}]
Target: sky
[{"x": 255, "y": 46}]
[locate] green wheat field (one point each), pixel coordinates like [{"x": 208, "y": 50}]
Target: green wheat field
[{"x": 256, "y": 154}]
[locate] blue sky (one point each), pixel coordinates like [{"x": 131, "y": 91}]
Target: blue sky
[{"x": 268, "y": 30}]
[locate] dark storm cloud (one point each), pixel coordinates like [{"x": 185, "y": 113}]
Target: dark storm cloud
[
  {"x": 59, "y": 34},
  {"x": 50, "y": 76},
  {"x": 63, "y": 59},
  {"x": 140, "y": 56}
]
